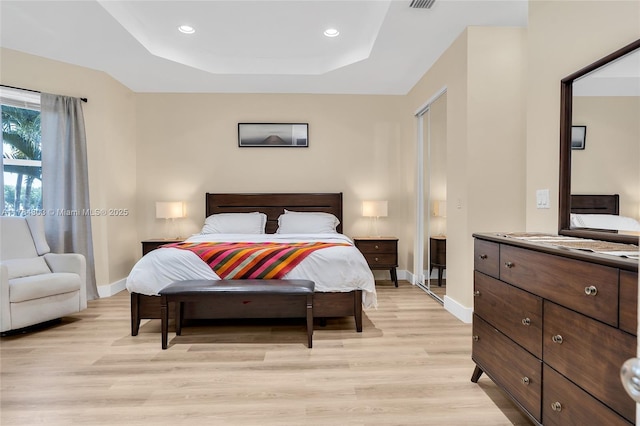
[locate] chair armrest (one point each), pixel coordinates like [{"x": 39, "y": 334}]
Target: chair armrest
[
  {"x": 5, "y": 308},
  {"x": 74, "y": 263}
]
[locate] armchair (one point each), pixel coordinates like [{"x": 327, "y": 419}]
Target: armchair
[{"x": 35, "y": 284}]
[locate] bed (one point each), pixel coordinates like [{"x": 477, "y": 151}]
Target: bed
[
  {"x": 600, "y": 213},
  {"x": 334, "y": 297}
]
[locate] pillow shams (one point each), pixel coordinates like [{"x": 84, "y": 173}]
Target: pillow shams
[
  {"x": 235, "y": 223},
  {"x": 307, "y": 223},
  {"x": 329, "y": 216}
]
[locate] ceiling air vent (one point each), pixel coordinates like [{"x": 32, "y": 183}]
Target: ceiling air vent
[{"x": 422, "y": 4}]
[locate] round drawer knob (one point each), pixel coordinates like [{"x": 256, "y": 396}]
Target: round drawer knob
[
  {"x": 525, "y": 380},
  {"x": 475, "y": 338},
  {"x": 483, "y": 256},
  {"x": 630, "y": 376},
  {"x": 476, "y": 293},
  {"x": 376, "y": 247},
  {"x": 556, "y": 406},
  {"x": 376, "y": 259},
  {"x": 591, "y": 290},
  {"x": 526, "y": 321},
  {"x": 509, "y": 265},
  {"x": 557, "y": 339}
]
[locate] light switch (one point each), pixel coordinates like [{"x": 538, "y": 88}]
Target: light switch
[{"x": 542, "y": 199}]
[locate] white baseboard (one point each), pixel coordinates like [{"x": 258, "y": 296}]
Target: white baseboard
[
  {"x": 461, "y": 312},
  {"x": 406, "y": 275},
  {"x": 109, "y": 290}
]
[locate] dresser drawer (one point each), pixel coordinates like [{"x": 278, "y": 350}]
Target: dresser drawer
[
  {"x": 486, "y": 257},
  {"x": 379, "y": 253},
  {"x": 510, "y": 366},
  {"x": 514, "y": 312},
  {"x": 563, "y": 281},
  {"x": 377, "y": 246},
  {"x": 629, "y": 302},
  {"x": 589, "y": 354},
  {"x": 380, "y": 259},
  {"x": 566, "y": 404}
]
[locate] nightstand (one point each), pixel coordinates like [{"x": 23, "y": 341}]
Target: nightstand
[
  {"x": 380, "y": 253},
  {"x": 438, "y": 255},
  {"x": 149, "y": 245}
]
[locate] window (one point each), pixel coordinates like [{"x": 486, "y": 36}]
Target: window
[{"x": 21, "y": 152}]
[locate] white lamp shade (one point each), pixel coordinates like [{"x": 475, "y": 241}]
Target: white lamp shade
[
  {"x": 374, "y": 209},
  {"x": 440, "y": 208},
  {"x": 169, "y": 209}
]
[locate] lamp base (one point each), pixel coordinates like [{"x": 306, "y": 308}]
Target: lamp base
[
  {"x": 374, "y": 227},
  {"x": 171, "y": 230}
]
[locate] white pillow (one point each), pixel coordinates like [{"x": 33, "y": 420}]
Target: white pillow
[
  {"x": 235, "y": 223},
  {"x": 307, "y": 223},
  {"x": 604, "y": 221},
  {"x": 329, "y": 216}
]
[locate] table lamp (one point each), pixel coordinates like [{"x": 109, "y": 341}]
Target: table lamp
[
  {"x": 440, "y": 210},
  {"x": 170, "y": 210},
  {"x": 375, "y": 210}
]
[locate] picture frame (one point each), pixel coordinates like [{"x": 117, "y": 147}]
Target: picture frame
[
  {"x": 267, "y": 135},
  {"x": 578, "y": 136}
]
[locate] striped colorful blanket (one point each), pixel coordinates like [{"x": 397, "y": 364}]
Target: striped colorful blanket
[{"x": 252, "y": 260}]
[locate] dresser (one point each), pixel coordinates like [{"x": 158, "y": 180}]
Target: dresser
[
  {"x": 380, "y": 253},
  {"x": 552, "y": 326}
]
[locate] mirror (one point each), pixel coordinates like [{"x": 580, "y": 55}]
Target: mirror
[
  {"x": 600, "y": 105},
  {"x": 431, "y": 241},
  {"x": 435, "y": 185}
]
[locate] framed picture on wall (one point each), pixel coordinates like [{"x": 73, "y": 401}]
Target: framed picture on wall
[
  {"x": 292, "y": 135},
  {"x": 578, "y": 136}
]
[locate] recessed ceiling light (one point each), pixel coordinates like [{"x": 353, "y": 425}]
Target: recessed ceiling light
[
  {"x": 331, "y": 32},
  {"x": 186, "y": 29}
]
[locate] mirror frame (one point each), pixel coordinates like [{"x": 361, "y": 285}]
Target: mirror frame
[{"x": 566, "y": 110}]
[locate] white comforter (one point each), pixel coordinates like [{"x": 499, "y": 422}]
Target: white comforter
[{"x": 333, "y": 269}]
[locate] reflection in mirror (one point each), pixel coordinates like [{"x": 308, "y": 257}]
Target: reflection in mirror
[
  {"x": 604, "y": 98},
  {"x": 435, "y": 241}
]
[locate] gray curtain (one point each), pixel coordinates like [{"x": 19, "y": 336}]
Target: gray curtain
[{"x": 65, "y": 189}]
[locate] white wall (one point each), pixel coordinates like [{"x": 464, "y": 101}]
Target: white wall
[
  {"x": 563, "y": 37},
  {"x": 483, "y": 71},
  {"x": 187, "y": 145}
]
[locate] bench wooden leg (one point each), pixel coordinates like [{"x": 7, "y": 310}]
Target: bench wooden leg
[
  {"x": 164, "y": 320},
  {"x": 179, "y": 311},
  {"x": 135, "y": 314},
  {"x": 310, "y": 320}
]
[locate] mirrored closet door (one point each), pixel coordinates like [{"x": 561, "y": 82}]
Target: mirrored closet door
[{"x": 432, "y": 240}]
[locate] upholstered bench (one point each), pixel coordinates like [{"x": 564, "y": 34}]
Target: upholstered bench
[{"x": 241, "y": 299}]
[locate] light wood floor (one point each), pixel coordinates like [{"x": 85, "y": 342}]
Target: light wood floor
[{"x": 411, "y": 365}]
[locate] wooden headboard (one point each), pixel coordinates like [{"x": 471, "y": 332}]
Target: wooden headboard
[
  {"x": 595, "y": 204},
  {"x": 274, "y": 204}
]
